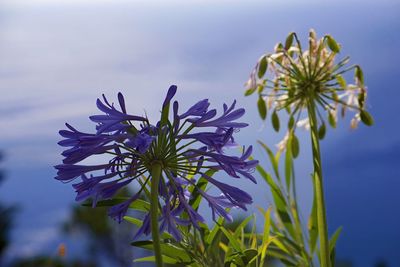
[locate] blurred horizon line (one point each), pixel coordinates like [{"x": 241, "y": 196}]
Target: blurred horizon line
[{"x": 271, "y": 3}]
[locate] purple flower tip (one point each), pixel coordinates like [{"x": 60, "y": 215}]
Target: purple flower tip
[{"x": 171, "y": 92}]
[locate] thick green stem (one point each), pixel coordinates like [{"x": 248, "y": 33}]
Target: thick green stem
[
  {"x": 319, "y": 190},
  {"x": 155, "y": 180}
]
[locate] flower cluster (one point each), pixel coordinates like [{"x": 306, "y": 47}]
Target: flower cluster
[
  {"x": 300, "y": 78},
  {"x": 189, "y": 146}
]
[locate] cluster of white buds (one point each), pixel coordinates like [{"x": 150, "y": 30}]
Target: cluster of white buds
[{"x": 292, "y": 79}]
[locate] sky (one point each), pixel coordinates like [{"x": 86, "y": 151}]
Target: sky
[{"x": 56, "y": 58}]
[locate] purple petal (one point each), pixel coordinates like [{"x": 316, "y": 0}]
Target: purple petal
[{"x": 171, "y": 92}]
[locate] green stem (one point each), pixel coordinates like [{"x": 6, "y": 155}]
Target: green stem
[
  {"x": 155, "y": 180},
  {"x": 319, "y": 191}
]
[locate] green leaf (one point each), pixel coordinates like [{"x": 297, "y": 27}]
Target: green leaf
[
  {"x": 291, "y": 122},
  {"x": 167, "y": 249},
  {"x": 232, "y": 240},
  {"x": 341, "y": 81},
  {"x": 279, "y": 47},
  {"x": 281, "y": 246},
  {"x": 262, "y": 66},
  {"x": 241, "y": 258},
  {"x": 134, "y": 221},
  {"x": 290, "y": 245},
  {"x": 262, "y": 107},
  {"x": 250, "y": 254},
  {"x": 332, "y": 44},
  {"x": 275, "y": 121},
  {"x": 288, "y": 163},
  {"x": 281, "y": 205},
  {"x": 250, "y": 91},
  {"x": 142, "y": 182},
  {"x": 260, "y": 88},
  {"x": 331, "y": 119},
  {"x": 359, "y": 75},
  {"x": 201, "y": 184},
  {"x": 361, "y": 99},
  {"x": 266, "y": 231},
  {"x": 214, "y": 231},
  {"x": 140, "y": 205},
  {"x": 272, "y": 159},
  {"x": 366, "y": 118},
  {"x": 322, "y": 131},
  {"x": 295, "y": 146},
  {"x": 313, "y": 224},
  {"x": 276, "y": 191},
  {"x": 277, "y": 253},
  {"x": 166, "y": 259},
  {"x": 333, "y": 240},
  {"x": 332, "y": 256},
  {"x": 234, "y": 259},
  {"x": 279, "y": 200},
  {"x": 289, "y": 41},
  {"x": 164, "y": 114},
  {"x": 243, "y": 224}
]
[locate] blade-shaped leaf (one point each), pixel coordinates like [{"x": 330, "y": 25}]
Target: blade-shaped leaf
[
  {"x": 289, "y": 41},
  {"x": 262, "y": 107},
  {"x": 134, "y": 221},
  {"x": 166, "y": 259},
  {"x": 232, "y": 240},
  {"x": 201, "y": 184},
  {"x": 359, "y": 75},
  {"x": 334, "y": 238},
  {"x": 167, "y": 249},
  {"x": 273, "y": 159},
  {"x": 288, "y": 163},
  {"x": 332, "y": 44},
  {"x": 322, "y": 131},
  {"x": 295, "y": 146},
  {"x": 275, "y": 121},
  {"x": 262, "y": 66},
  {"x": 366, "y": 118}
]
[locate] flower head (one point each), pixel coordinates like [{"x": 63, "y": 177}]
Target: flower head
[
  {"x": 189, "y": 146},
  {"x": 298, "y": 78}
]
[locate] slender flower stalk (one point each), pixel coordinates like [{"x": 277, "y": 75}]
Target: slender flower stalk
[
  {"x": 165, "y": 159},
  {"x": 155, "y": 175},
  {"x": 311, "y": 81},
  {"x": 319, "y": 188}
]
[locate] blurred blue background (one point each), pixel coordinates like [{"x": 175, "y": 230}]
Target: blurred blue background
[{"x": 57, "y": 57}]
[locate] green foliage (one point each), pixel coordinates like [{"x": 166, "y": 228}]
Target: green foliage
[
  {"x": 288, "y": 228},
  {"x": 359, "y": 75},
  {"x": 275, "y": 121},
  {"x": 295, "y": 146},
  {"x": 262, "y": 68},
  {"x": 289, "y": 40},
  {"x": 168, "y": 250},
  {"x": 222, "y": 245},
  {"x": 366, "y": 118},
  {"x": 262, "y": 107},
  {"x": 196, "y": 197},
  {"x": 331, "y": 119},
  {"x": 322, "y": 131},
  {"x": 332, "y": 44}
]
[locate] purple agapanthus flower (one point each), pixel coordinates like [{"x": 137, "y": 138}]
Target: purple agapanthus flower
[{"x": 188, "y": 147}]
